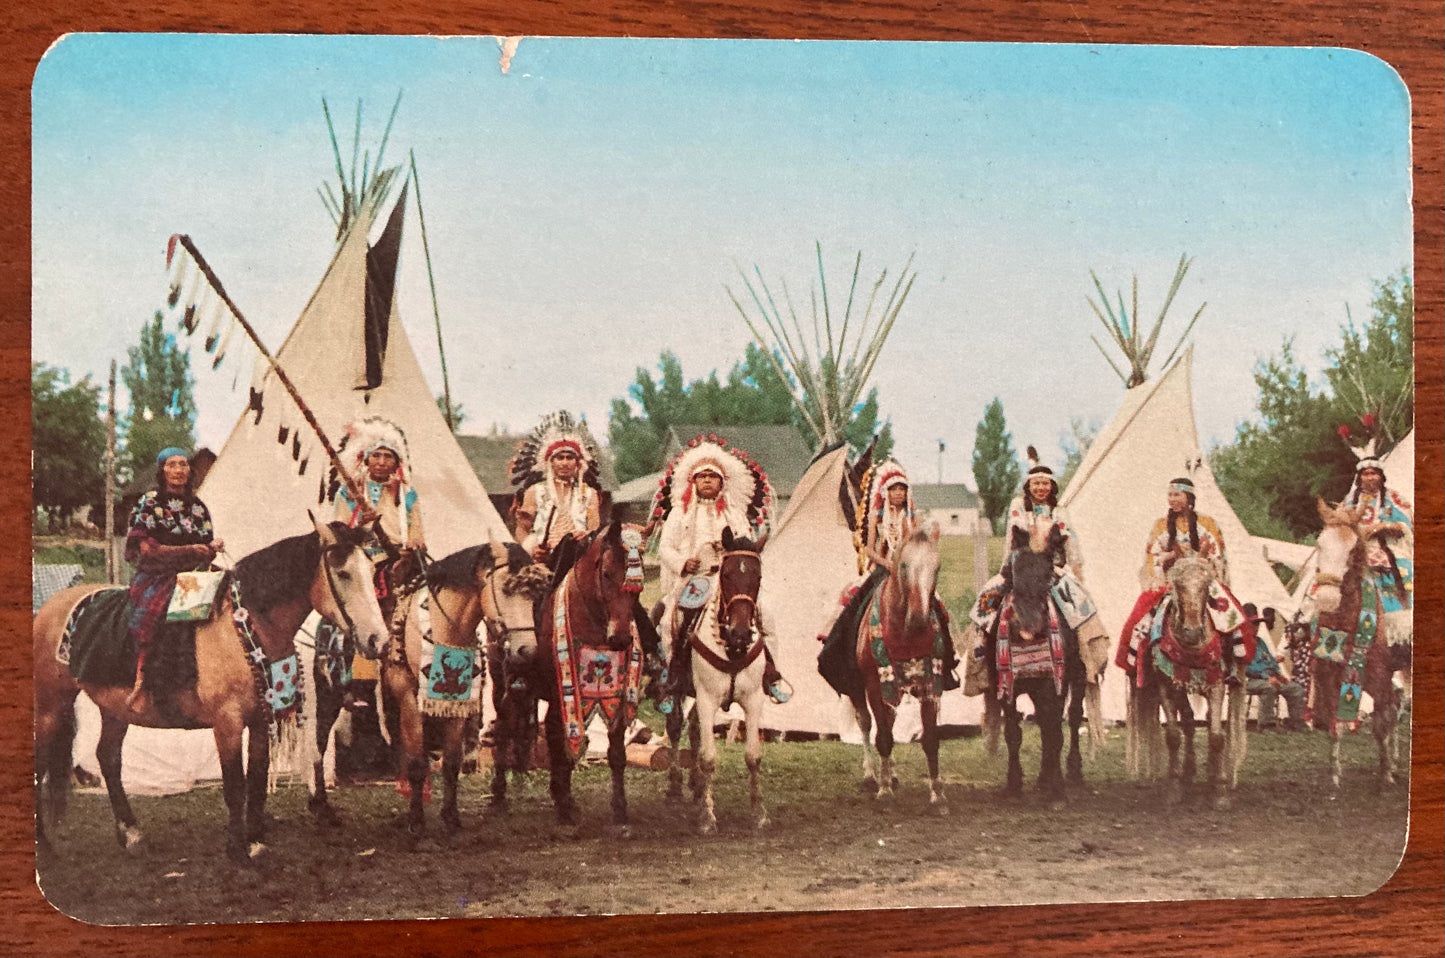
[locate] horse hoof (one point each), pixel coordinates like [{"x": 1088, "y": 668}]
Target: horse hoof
[
  {"x": 130, "y": 839},
  {"x": 1076, "y": 777},
  {"x": 940, "y": 808},
  {"x": 326, "y": 816},
  {"x": 894, "y": 783},
  {"x": 1222, "y": 803},
  {"x": 707, "y": 828},
  {"x": 239, "y": 854},
  {"x": 674, "y": 796},
  {"x": 1013, "y": 790},
  {"x": 762, "y": 824},
  {"x": 622, "y": 832},
  {"x": 870, "y": 785},
  {"x": 256, "y": 850}
]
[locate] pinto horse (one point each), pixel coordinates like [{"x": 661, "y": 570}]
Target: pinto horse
[
  {"x": 1189, "y": 656},
  {"x": 898, "y": 651},
  {"x": 586, "y": 659},
  {"x": 326, "y": 570},
  {"x": 1350, "y": 654},
  {"x": 1034, "y": 652},
  {"x": 727, "y": 665}
]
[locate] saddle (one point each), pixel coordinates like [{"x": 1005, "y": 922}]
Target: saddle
[{"x": 98, "y": 648}]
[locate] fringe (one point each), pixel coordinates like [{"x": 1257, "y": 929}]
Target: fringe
[
  {"x": 1133, "y": 733},
  {"x": 451, "y": 708},
  {"x": 288, "y": 748},
  {"x": 992, "y": 722}
]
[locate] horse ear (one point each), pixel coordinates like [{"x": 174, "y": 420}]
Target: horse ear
[
  {"x": 764, "y": 540},
  {"x": 1018, "y": 539},
  {"x": 614, "y": 533},
  {"x": 1324, "y": 509},
  {"x": 323, "y": 531},
  {"x": 727, "y": 538}
]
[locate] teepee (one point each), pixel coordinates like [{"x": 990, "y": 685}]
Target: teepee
[
  {"x": 348, "y": 356},
  {"x": 807, "y": 562},
  {"x": 1118, "y": 493}
]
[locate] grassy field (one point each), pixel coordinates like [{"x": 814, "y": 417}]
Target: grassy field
[
  {"x": 59, "y": 550},
  {"x": 830, "y": 845}
]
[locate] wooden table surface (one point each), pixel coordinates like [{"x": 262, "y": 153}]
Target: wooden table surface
[{"x": 1406, "y": 917}]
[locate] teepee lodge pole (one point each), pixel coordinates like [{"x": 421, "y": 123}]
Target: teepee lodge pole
[
  {"x": 351, "y": 483},
  {"x": 112, "y": 572},
  {"x": 436, "y": 313}
]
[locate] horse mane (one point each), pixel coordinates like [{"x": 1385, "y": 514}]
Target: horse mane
[
  {"x": 459, "y": 570},
  {"x": 282, "y": 571}
]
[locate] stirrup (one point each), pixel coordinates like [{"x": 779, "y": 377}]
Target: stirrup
[{"x": 780, "y": 691}]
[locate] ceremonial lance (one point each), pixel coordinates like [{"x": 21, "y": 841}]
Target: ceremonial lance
[{"x": 352, "y": 484}]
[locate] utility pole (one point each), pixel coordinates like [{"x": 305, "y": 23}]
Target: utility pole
[{"x": 110, "y": 563}]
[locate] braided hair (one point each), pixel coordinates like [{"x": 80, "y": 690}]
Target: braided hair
[{"x": 1193, "y": 525}]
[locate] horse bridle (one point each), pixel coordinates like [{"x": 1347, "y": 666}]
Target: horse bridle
[
  {"x": 335, "y": 595},
  {"x": 725, "y": 603},
  {"x": 498, "y": 629}
]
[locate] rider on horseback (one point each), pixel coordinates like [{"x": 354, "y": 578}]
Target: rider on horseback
[
  {"x": 170, "y": 532},
  {"x": 708, "y": 489},
  {"x": 886, "y": 520},
  {"x": 1387, "y": 522},
  {"x": 379, "y": 459},
  {"x": 556, "y": 504},
  {"x": 1034, "y": 513}
]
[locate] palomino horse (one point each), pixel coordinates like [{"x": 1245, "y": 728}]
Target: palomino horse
[
  {"x": 326, "y": 570},
  {"x": 1350, "y": 653},
  {"x": 484, "y": 583},
  {"x": 586, "y": 659},
  {"x": 1185, "y": 653},
  {"x": 1034, "y": 652},
  {"x": 900, "y": 650},
  {"x": 727, "y": 653}
]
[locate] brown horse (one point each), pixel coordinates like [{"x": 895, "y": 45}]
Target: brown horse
[
  {"x": 326, "y": 570},
  {"x": 487, "y": 584},
  {"x": 899, "y": 624},
  {"x": 727, "y": 654},
  {"x": 586, "y": 657},
  {"x": 1193, "y": 648},
  {"x": 1350, "y": 654}
]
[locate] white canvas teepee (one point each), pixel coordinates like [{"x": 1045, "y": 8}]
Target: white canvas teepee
[
  {"x": 1119, "y": 492},
  {"x": 807, "y": 562},
  {"x": 254, "y": 492}
]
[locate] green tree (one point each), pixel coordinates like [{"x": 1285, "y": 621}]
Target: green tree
[
  {"x": 162, "y": 401},
  {"x": 995, "y": 463},
  {"x": 752, "y": 394},
  {"x": 459, "y": 414},
  {"x": 1292, "y": 453},
  {"x": 67, "y": 442}
]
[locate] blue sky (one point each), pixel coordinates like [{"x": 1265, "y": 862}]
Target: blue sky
[{"x": 586, "y": 209}]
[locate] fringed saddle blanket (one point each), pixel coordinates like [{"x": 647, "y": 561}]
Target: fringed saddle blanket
[
  {"x": 591, "y": 680},
  {"x": 97, "y": 646},
  {"x": 1043, "y": 657},
  {"x": 1338, "y": 643},
  {"x": 918, "y": 675},
  {"x": 1147, "y": 631},
  {"x": 450, "y": 679}
]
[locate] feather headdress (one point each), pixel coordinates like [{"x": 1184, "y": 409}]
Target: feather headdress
[
  {"x": 558, "y": 430},
  {"x": 1037, "y": 468},
  {"x": 876, "y": 483},
  {"x": 744, "y": 482},
  {"x": 1366, "y": 455},
  {"x": 360, "y": 439}
]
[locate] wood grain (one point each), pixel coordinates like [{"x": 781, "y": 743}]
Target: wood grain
[{"x": 1404, "y": 917}]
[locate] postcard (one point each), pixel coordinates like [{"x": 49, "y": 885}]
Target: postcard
[{"x": 662, "y": 476}]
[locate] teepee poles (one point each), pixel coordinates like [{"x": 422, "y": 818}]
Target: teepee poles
[
  {"x": 426, "y": 250},
  {"x": 1125, "y": 329},
  {"x": 215, "y": 283},
  {"x": 824, "y": 387}
]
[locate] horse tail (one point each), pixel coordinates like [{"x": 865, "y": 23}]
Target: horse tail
[
  {"x": 53, "y": 768},
  {"x": 992, "y": 721},
  {"x": 1094, "y": 714},
  {"x": 1238, "y": 742}
]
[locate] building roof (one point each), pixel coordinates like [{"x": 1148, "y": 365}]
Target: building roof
[
  {"x": 489, "y": 456},
  {"x": 780, "y": 450},
  {"x": 641, "y": 489},
  {"x": 947, "y": 495}
]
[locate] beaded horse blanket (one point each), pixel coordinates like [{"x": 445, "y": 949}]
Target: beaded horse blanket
[{"x": 591, "y": 680}]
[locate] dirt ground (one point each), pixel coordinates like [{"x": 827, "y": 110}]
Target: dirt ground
[{"x": 830, "y": 846}]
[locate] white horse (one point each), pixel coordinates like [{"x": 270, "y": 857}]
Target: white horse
[{"x": 727, "y": 660}]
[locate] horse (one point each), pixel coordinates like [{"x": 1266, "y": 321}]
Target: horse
[
  {"x": 585, "y": 659},
  {"x": 899, "y": 650},
  {"x": 326, "y": 570},
  {"x": 1349, "y": 654},
  {"x": 1034, "y": 652},
  {"x": 1185, "y": 653},
  {"x": 480, "y": 584},
  {"x": 727, "y": 662}
]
